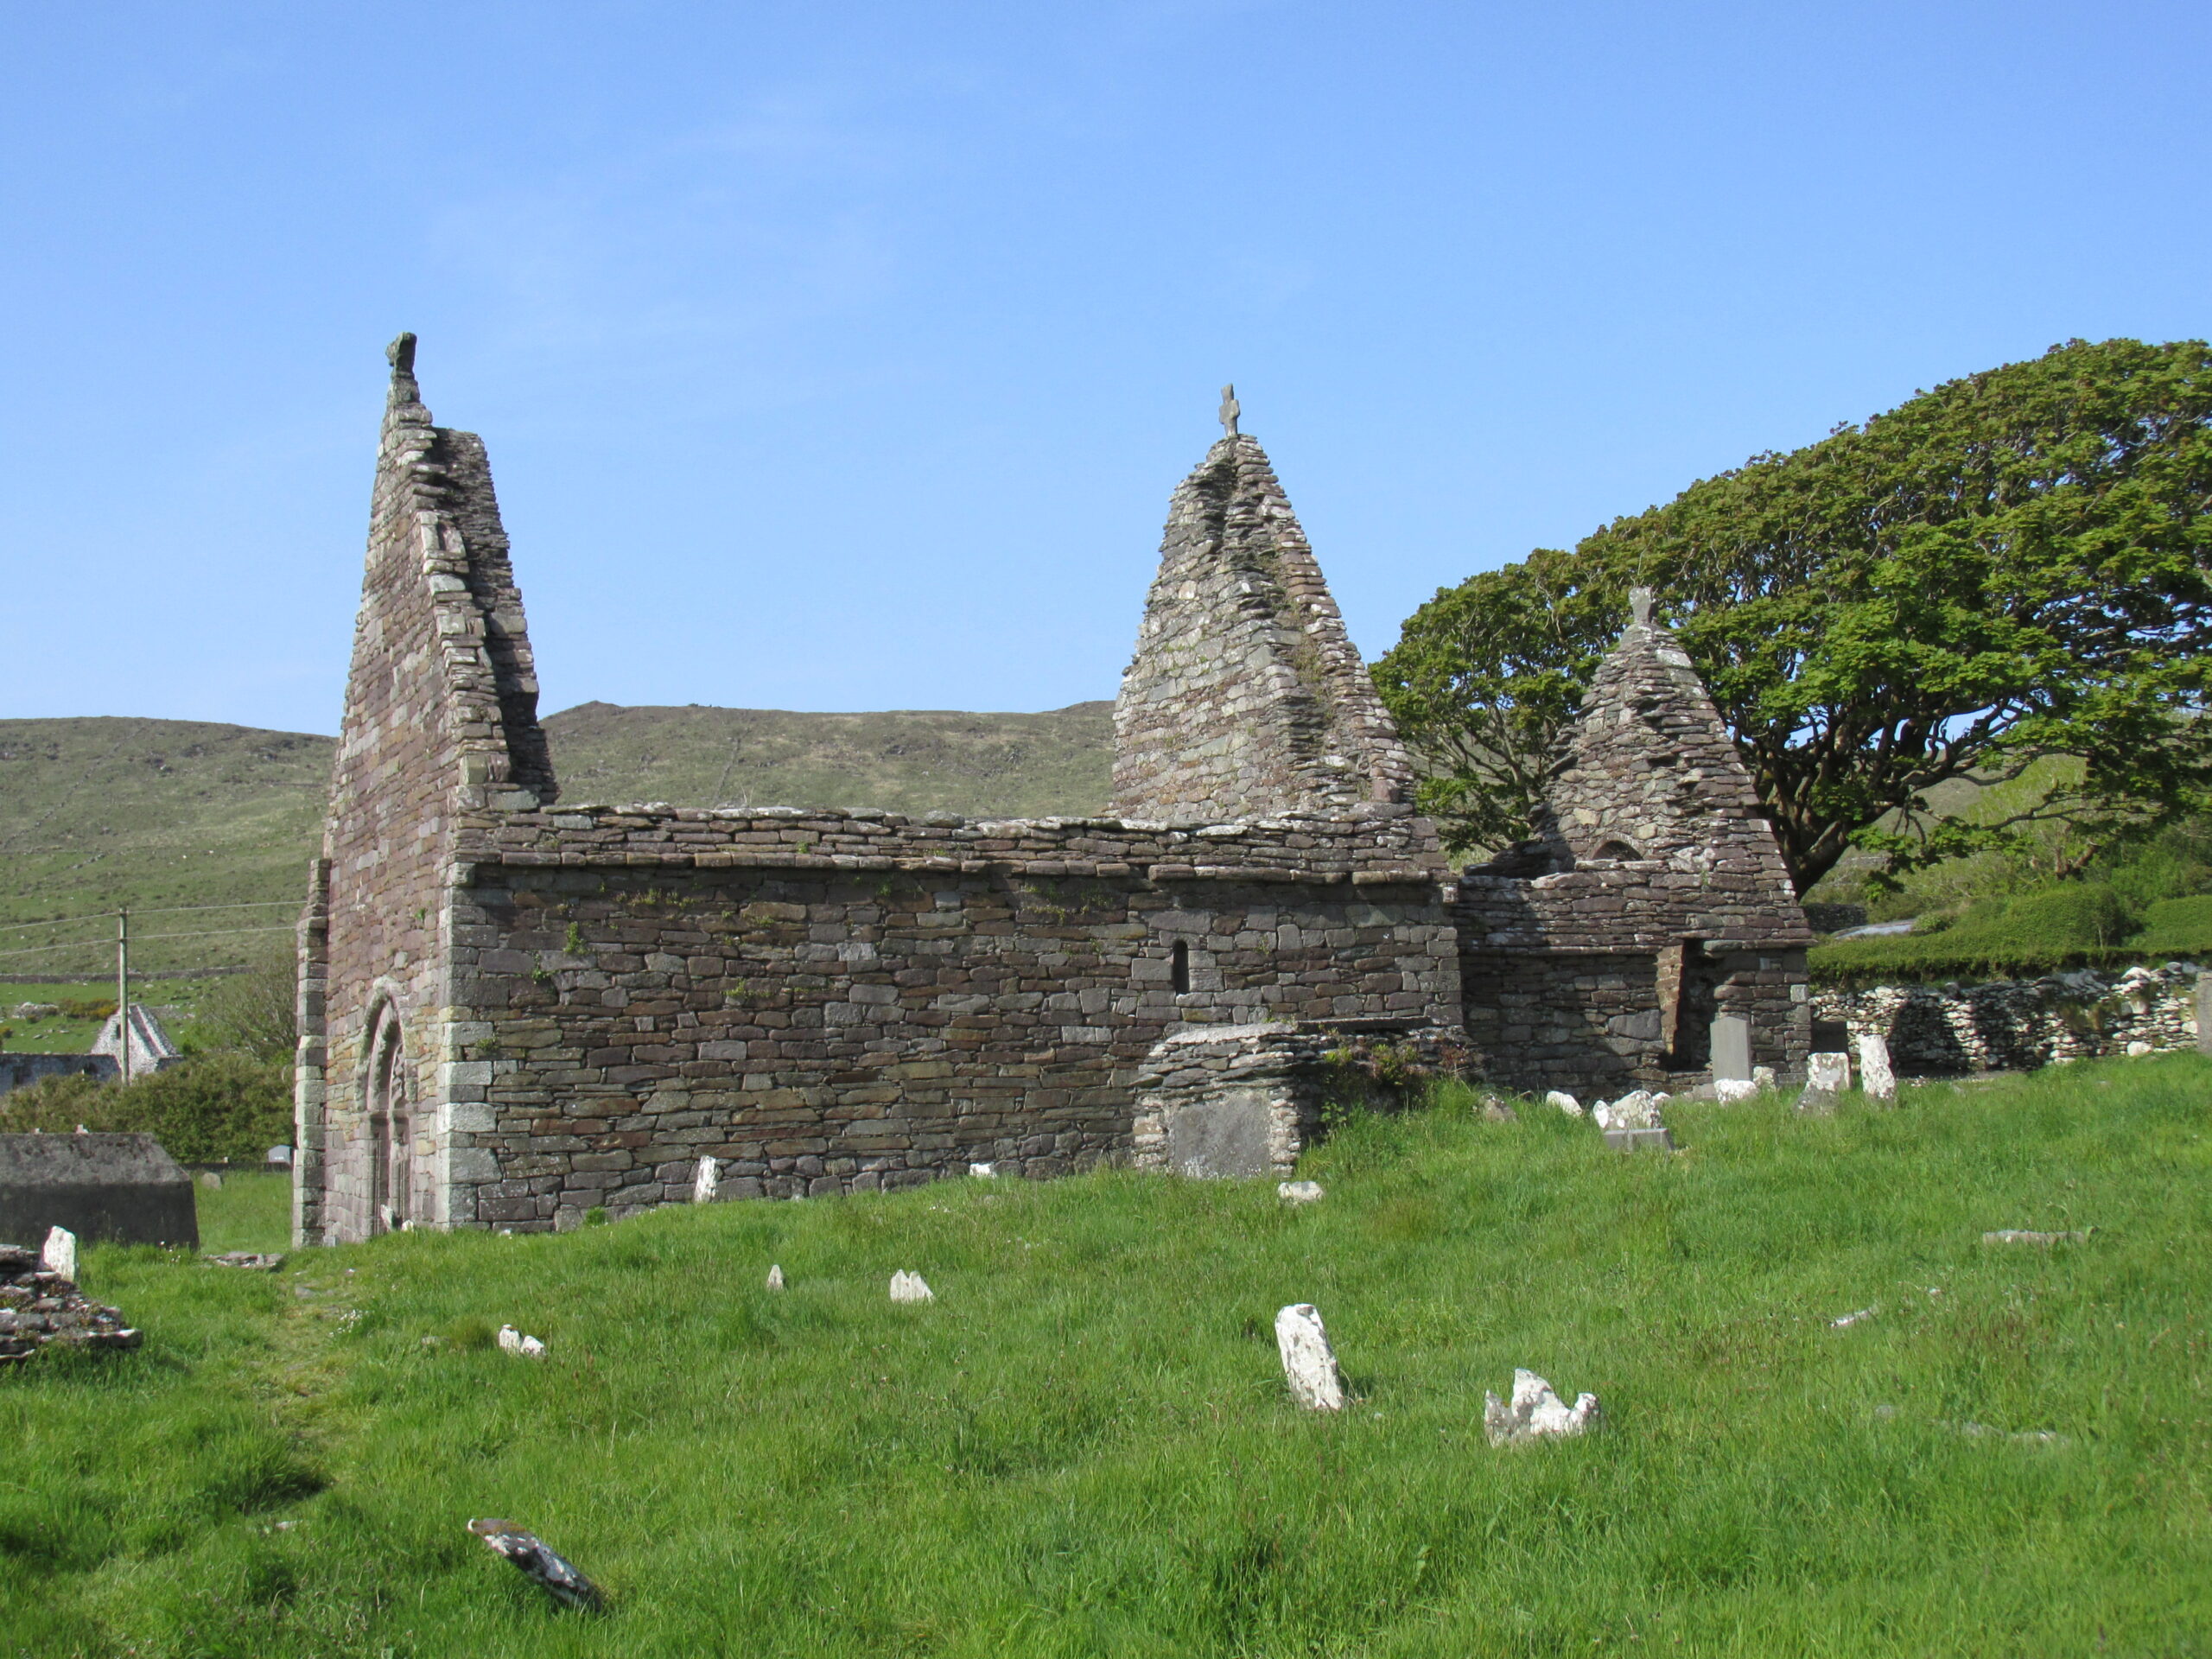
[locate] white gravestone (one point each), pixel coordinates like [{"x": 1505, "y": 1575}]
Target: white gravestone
[
  {"x": 1637, "y": 1111},
  {"x": 512, "y": 1341},
  {"x": 59, "y": 1254},
  {"x": 1732, "y": 1048},
  {"x": 1309, "y": 1364},
  {"x": 983, "y": 1172},
  {"x": 1536, "y": 1413},
  {"x": 1299, "y": 1191},
  {"x": 909, "y": 1288},
  {"x": 709, "y": 1178},
  {"x": 1826, "y": 1075},
  {"x": 1565, "y": 1101},
  {"x": 775, "y": 1277},
  {"x": 1877, "y": 1077}
]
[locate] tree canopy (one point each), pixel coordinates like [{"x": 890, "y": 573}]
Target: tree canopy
[{"x": 2012, "y": 569}]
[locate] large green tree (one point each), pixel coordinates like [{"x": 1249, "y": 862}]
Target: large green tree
[{"x": 2011, "y": 571}]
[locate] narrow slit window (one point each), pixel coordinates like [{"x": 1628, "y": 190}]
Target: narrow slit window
[{"x": 1179, "y": 967}]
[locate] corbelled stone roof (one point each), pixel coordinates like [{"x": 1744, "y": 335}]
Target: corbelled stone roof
[
  {"x": 1649, "y": 771},
  {"x": 1246, "y": 697}
]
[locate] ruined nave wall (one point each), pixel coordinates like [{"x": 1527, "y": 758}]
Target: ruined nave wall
[{"x": 831, "y": 1002}]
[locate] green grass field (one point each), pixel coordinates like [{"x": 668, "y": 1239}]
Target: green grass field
[{"x": 1084, "y": 1445}]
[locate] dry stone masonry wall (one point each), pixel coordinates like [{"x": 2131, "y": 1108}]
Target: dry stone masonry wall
[
  {"x": 514, "y": 1012},
  {"x": 2017, "y": 1025}
]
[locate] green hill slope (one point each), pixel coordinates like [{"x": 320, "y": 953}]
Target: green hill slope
[
  {"x": 1082, "y": 1446},
  {"x": 157, "y": 814},
  {"x": 979, "y": 765}
]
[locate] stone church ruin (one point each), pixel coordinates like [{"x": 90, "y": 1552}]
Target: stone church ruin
[{"x": 516, "y": 1009}]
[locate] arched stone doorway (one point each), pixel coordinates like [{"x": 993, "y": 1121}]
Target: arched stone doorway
[{"x": 390, "y": 1129}]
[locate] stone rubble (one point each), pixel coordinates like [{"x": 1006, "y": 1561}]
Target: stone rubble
[
  {"x": 1309, "y": 1363},
  {"x": 39, "y": 1305},
  {"x": 1849, "y": 1319},
  {"x": 1299, "y": 1191},
  {"x": 1536, "y": 1413},
  {"x": 2017, "y": 1236},
  {"x": 1494, "y": 1110},
  {"x": 249, "y": 1259}
]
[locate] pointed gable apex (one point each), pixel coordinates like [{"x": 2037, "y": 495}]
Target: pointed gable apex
[
  {"x": 1648, "y": 769},
  {"x": 1246, "y": 697}
]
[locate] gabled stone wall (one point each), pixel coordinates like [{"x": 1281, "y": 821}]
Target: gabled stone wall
[
  {"x": 1246, "y": 697},
  {"x": 1596, "y": 958}
]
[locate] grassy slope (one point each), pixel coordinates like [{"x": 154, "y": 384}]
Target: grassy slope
[
  {"x": 1082, "y": 1447},
  {"x": 152, "y": 814},
  {"x": 979, "y": 765}
]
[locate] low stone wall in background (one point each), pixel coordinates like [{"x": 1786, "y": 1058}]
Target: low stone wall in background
[{"x": 2017, "y": 1025}]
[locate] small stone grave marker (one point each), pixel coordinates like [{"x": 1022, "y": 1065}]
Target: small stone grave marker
[
  {"x": 514, "y": 1342},
  {"x": 1826, "y": 1075},
  {"x": 59, "y": 1253},
  {"x": 1536, "y": 1412},
  {"x": 1309, "y": 1364},
  {"x": 1565, "y": 1101},
  {"x": 1877, "y": 1077},
  {"x": 775, "y": 1277},
  {"x": 1732, "y": 1048},
  {"x": 909, "y": 1288},
  {"x": 1299, "y": 1191},
  {"x": 707, "y": 1180}
]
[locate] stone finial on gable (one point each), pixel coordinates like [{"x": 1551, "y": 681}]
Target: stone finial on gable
[
  {"x": 1246, "y": 697},
  {"x": 1639, "y": 606}
]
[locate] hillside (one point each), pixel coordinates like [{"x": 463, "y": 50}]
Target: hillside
[
  {"x": 1082, "y": 1446},
  {"x": 158, "y": 814}
]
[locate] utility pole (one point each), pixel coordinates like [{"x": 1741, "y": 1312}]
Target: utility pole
[{"x": 123, "y": 992}]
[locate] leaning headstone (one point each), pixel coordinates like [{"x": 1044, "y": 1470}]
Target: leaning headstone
[
  {"x": 59, "y": 1253},
  {"x": 118, "y": 1187},
  {"x": 1536, "y": 1412},
  {"x": 1826, "y": 1075},
  {"x": 909, "y": 1288},
  {"x": 1299, "y": 1191},
  {"x": 538, "y": 1563},
  {"x": 1876, "y": 1078},
  {"x": 1565, "y": 1101},
  {"x": 775, "y": 1277},
  {"x": 1732, "y": 1048},
  {"x": 708, "y": 1179},
  {"x": 1309, "y": 1364}
]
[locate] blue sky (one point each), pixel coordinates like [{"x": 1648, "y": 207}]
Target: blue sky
[{"x": 844, "y": 356}]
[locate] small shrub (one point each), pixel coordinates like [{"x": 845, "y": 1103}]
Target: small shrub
[{"x": 209, "y": 1108}]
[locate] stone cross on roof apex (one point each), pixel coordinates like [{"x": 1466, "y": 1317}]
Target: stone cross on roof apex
[{"x": 1230, "y": 408}]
